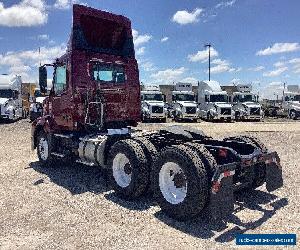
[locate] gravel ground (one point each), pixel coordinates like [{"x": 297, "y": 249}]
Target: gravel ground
[{"x": 71, "y": 207}]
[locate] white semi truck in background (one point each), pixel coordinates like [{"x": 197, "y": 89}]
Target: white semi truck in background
[
  {"x": 153, "y": 104},
  {"x": 244, "y": 103},
  {"x": 184, "y": 105},
  {"x": 214, "y": 103},
  {"x": 11, "y": 107},
  {"x": 291, "y": 102}
]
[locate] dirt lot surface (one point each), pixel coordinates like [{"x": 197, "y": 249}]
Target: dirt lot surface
[{"x": 71, "y": 206}]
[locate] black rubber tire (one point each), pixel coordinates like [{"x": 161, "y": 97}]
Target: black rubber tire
[
  {"x": 207, "y": 158},
  {"x": 140, "y": 169},
  {"x": 293, "y": 117},
  {"x": 197, "y": 187},
  {"x": 51, "y": 160},
  {"x": 209, "y": 117},
  {"x": 151, "y": 154}
]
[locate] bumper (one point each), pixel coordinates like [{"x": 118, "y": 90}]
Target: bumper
[
  {"x": 157, "y": 116},
  {"x": 222, "y": 200},
  {"x": 223, "y": 117},
  {"x": 4, "y": 117},
  {"x": 189, "y": 116},
  {"x": 252, "y": 117}
]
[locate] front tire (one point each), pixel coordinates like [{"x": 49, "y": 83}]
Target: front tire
[
  {"x": 128, "y": 169},
  {"x": 44, "y": 149},
  {"x": 293, "y": 115},
  {"x": 181, "y": 184}
]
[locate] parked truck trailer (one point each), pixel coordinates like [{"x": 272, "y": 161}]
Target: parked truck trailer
[{"x": 91, "y": 113}]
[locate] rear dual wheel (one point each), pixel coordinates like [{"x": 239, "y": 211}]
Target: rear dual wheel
[
  {"x": 128, "y": 169},
  {"x": 180, "y": 182},
  {"x": 180, "y": 177}
]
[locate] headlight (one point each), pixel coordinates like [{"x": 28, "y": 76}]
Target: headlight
[
  {"x": 213, "y": 112},
  {"x": 146, "y": 110}
]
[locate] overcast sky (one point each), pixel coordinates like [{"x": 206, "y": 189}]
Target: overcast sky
[{"x": 252, "y": 40}]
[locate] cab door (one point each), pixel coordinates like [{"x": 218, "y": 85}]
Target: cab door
[{"x": 61, "y": 101}]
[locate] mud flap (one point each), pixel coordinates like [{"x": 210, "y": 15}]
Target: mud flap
[
  {"x": 273, "y": 177},
  {"x": 222, "y": 203},
  {"x": 273, "y": 172}
]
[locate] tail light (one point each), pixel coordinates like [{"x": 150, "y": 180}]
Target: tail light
[{"x": 215, "y": 186}]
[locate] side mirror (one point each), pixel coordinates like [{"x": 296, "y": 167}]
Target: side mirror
[{"x": 43, "y": 78}]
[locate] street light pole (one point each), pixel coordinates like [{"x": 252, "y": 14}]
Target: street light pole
[{"x": 208, "y": 45}]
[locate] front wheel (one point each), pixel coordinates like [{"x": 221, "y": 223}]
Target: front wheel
[
  {"x": 44, "y": 149},
  {"x": 180, "y": 182},
  {"x": 293, "y": 115}
]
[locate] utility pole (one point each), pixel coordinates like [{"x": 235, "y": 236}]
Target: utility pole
[
  {"x": 208, "y": 45},
  {"x": 283, "y": 91}
]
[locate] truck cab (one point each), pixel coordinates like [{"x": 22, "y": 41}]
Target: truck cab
[
  {"x": 184, "y": 106},
  {"x": 213, "y": 102},
  {"x": 245, "y": 104},
  {"x": 96, "y": 83},
  {"x": 291, "y": 104},
  {"x": 10, "y": 98},
  {"x": 36, "y": 106},
  {"x": 153, "y": 104}
]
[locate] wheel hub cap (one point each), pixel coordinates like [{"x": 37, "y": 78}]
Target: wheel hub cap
[
  {"x": 122, "y": 170},
  {"x": 44, "y": 149},
  {"x": 173, "y": 183}
]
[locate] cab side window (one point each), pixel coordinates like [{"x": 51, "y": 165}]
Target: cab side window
[{"x": 60, "y": 79}]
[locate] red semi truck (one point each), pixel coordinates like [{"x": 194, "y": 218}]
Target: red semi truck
[{"x": 90, "y": 115}]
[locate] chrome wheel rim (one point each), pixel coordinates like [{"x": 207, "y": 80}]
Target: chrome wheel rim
[
  {"x": 122, "y": 170},
  {"x": 173, "y": 183},
  {"x": 43, "y": 149}
]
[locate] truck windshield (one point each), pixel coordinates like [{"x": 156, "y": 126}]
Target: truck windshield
[
  {"x": 109, "y": 73},
  {"x": 219, "y": 98},
  {"x": 184, "y": 97},
  {"x": 153, "y": 97},
  {"x": 244, "y": 98},
  {"x": 6, "y": 93}
]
